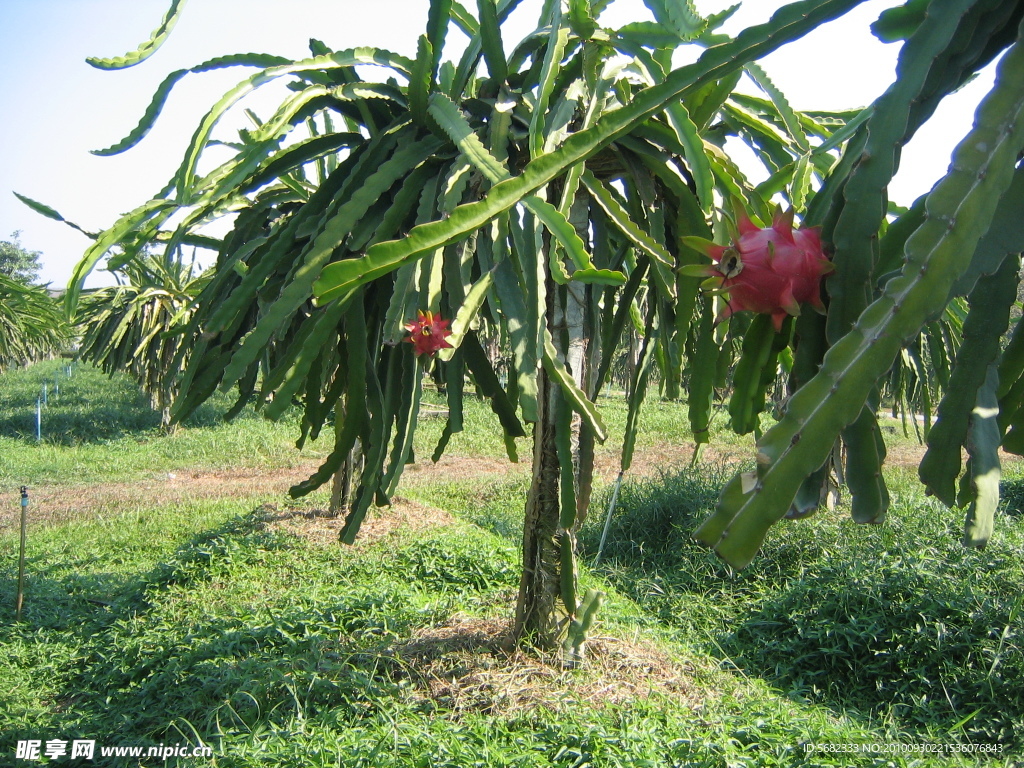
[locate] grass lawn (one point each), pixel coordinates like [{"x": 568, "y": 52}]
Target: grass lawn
[{"x": 176, "y": 596}]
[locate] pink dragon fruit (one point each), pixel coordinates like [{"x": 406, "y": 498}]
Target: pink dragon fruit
[
  {"x": 428, "y": 333},
  {"x": 771, "y": 270}
]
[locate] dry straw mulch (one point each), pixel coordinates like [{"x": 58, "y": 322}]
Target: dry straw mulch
[{"x": 471, "y": 665}]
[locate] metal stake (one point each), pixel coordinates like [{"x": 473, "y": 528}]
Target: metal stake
[{"x": 21, "y": 552}]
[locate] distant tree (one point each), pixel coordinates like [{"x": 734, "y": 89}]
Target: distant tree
[{"x": 17, "y": 261}]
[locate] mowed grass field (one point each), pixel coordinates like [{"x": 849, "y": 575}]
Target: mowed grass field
[{"x": 175, "y": 595}]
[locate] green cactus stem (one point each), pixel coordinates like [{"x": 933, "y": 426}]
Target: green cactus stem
[
  {"x": 959, "y": 211},
  {"x": 985, "y": 324},
  {"x": 979, "y": 487}
]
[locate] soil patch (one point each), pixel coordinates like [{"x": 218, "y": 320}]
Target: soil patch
[
  {"x": 58, "y": 504},
  {"x": 321, "y": 529},
  {"x": 51, "y": 505}
]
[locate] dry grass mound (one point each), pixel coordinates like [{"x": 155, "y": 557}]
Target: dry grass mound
[{"x": 472, "y": 665}]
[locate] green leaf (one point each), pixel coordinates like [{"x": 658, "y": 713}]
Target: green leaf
[
  {"x": 801, "y": 186},
  {"x": 485, "y": 377},
  {"x": 438, "y": 17},
  {"x": 638, "y": 391},
  {"x": 649, "y": 34},
  {"x": 419, "y": 81},
  {"x": 573, "y": 394},
  {"x": 558, "y": 38},
  {"x": 566, "y": 235},
  {"x": 464, "y": 20},
  {"x": 703, "y": 363},
  {"x": 467, "y": 314},
  {"x": 778, "y": 98},
  {"x": 408, "y": 390},
  {"x": 563, "y": 434},
  {"x": 679, "y": 16},
  {"x": 581, "y": 20},
  {"x": 986, "y": 322},
  {"x": 981, "y": 491},
  {"x": 156, "y": 105},
  {"x": 1004, "y": 237},
  {"x": 454, "y": 123},
  {"x": 50, "y": 213},
  {"x": 844, "y": 134},
  {"x": 620, "y": 217},
  {"x": 865, "y": 454},
  {"x": 592, "y": 276},
  {"x": 901, "y": 22},
  {"x": 148, "y": 48},
  {"x": 696, "y": 156},
  {"x": 490, "y": 38},
  {"x": 744, "y": 407}
]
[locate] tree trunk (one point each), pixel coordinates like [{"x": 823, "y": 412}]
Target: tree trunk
[
  {"x": 541, "y": 615},
  {"x": 547, "y": 595}
]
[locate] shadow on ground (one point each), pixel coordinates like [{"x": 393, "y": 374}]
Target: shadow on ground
[{"x": 896, "y": 625}]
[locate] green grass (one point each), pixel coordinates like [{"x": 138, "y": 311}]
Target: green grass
[
  {"x": 200, "y": 620},
  {"x": 278, "y": 653},
  {"x": 897, "y": 626},
  {"x": 663, "y": 422},
  {"x": 100, "y": 429}
]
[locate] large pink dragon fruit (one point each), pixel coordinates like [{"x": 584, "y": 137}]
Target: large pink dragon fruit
[{"x": 771, "y": 270}]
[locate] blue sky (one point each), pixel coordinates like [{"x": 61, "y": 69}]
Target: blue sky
[{"x": 56, "y": 107}]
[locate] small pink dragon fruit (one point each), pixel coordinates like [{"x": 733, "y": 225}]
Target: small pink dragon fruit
[
  {"x": 771, "y": 270},
  {"x": 429, "y": 333}
]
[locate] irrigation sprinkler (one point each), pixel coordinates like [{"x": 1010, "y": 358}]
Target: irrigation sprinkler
[
  {"x": 21, "y": 552},
  {"x": 39, "y": 420}
]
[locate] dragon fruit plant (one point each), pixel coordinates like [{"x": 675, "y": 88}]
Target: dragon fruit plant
[{"x": 770, "y": 270}]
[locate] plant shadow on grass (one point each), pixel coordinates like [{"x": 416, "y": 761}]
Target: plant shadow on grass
[
  {"x": 895, "y": 625},
  {"x": 160, "y": 663},
  {"x": 133, "y": 673},
  {"x": 1011, "y": 493}
]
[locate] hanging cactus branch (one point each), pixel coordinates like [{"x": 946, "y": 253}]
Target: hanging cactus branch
[{"x": 959, "y": 211}]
